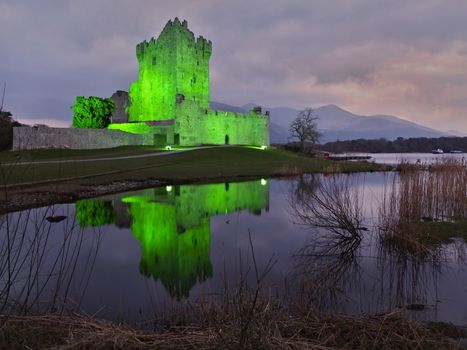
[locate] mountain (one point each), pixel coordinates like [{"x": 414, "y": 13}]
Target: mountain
[
  {"x": 217, "y": 106},
  {"x": 336, "y": 123}
]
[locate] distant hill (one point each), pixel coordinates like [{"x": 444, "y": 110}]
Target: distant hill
[
  {"x": 217, "y": 106},
  {"x": 456, "y": 133},
  {"x": 336, "y": 123}
]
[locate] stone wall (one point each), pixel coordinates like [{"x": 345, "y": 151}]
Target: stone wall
[
  {"x": 44, "y": 137},
  {"x": 197, "y": 126}
]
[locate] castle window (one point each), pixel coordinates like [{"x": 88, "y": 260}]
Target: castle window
[{"x": 154, "y": 61}]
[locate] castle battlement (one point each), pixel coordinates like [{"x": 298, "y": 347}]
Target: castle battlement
[
  {"x": 173, "y": 84},
  {"x": 200, "y": 43}
]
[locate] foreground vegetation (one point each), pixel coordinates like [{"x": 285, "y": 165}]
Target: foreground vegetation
[
  {"x": 254, "y": 317},
  {"x": 425, "y": 206},
  {"x": 267, "y": 328}
]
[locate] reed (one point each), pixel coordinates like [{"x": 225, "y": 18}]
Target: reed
[{"x": 419, "y": 195}]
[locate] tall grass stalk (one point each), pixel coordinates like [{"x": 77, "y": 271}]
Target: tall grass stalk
[{"x": 437, "y": 192}]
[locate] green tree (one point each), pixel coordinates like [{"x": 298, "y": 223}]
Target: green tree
[
  {"x": 92, "y": 112},
  {"x": 304, "y": 128}
]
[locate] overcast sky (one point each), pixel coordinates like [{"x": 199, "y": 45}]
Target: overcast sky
[{"x": 402, "y": 57}]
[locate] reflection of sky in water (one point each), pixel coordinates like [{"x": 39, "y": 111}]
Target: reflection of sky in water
[
  {"x": 154, "y": 231},
  {"x": 425, "y": 158}
]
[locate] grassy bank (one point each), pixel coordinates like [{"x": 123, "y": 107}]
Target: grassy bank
[
  {"x": 205, "y": 163},
  {"x": 57, "y": 154}
]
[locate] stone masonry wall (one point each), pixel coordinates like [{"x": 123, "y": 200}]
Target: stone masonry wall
[
  {"x": 43, "y": 137},
  {"x": 197, "y": 126}
]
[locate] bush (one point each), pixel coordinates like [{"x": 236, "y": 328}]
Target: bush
[
  {"x": 92, "y": 112},
  {"x": 6, "y": 130}
]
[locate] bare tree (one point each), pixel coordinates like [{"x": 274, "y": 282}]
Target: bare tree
[
  {"x": 3, "y": 96},
  {"x": 304, "y": 127}
]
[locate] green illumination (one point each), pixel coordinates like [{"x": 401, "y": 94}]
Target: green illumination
[
  {"x": 263, "y": 182},
  {"x": 168, "y": 188},
  {"x": 262, "y": 148},
  {"x": 174, "y": 228},
  {"x": 93, "y": 213},
  {"x": 172, "y": 95},
  {"x": 134, "y": 128},
  {"x": 168, "y": 148},
  {"x": 92, "y": 112},
  {"x": 175, "y": 63}
]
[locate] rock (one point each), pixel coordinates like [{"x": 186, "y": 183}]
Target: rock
[{"x": 56, "y": 218}]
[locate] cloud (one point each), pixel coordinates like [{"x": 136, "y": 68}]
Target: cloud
[{"x": 398, "y": 57}]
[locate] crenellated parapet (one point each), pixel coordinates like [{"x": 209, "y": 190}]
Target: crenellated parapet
[
  {"x": 173, "y": 85},
  {"x": 175, "y": 63}
]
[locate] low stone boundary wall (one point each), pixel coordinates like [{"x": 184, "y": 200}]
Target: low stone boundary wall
[{"x": 45, "y": 137}]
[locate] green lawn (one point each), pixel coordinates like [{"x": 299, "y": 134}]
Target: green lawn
[
  {"x": 56, "y": 154},
  {"x": 200, "y": 164}
]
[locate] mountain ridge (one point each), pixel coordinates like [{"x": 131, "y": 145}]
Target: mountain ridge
[{"x": 336, "y": 123}]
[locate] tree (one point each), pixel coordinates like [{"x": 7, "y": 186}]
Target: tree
[
  {"x": 92, "y": 112},
  {"x": 304, "y": 127},
  {"x": 6, "y": 129}
]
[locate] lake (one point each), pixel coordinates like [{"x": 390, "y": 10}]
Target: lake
[
  {"x": 425, "y": 158},
  {"x": 133, "y": 256}
]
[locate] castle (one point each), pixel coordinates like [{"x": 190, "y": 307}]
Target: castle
[
  {"x": 167, "y": 106},
  {"x": 170, "y": 99}
]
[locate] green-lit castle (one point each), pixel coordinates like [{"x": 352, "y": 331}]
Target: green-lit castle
[{"x": 170, "y": 99}]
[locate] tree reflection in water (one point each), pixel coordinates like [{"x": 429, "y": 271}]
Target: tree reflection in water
[
  {"x": 345, "y": 267},
  {"x": 333, "y": 203},
  {"x": 331, "y": 207}
]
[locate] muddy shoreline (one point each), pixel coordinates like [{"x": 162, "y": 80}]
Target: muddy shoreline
[{"x": 24, "y": 198}]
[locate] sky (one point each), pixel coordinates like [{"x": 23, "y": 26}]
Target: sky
[{"x": 398, "y": 57}]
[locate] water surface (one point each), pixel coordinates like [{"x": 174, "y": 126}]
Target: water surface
[{"x": 134, "y": 255}]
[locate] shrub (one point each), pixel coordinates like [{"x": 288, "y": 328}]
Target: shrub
[
  {"x": 92, "y": 112},
  {"x": 6, "y": 130}
]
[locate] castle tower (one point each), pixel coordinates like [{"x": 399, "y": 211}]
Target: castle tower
[{"x": 175, "y": 64}]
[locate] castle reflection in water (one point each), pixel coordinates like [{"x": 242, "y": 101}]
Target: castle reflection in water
[{"x": 172, "y": 224}]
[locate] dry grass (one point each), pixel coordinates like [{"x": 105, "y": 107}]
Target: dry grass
[
  {"x": 286, "y": 171},
  {"x": 270, "y": 329},
  {"x": 420, "y": 195}
]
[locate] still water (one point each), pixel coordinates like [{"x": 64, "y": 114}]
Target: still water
[
  {"x": 134, "y": 255},
  {"x": 424, "y": 158}
]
